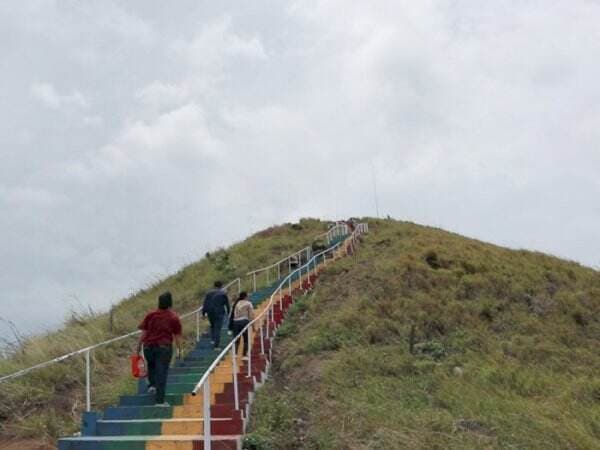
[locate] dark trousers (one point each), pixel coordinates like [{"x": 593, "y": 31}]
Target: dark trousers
[
  {"x": 158, "y": 358},
  {"x": 216, "y": 325},
  {"x": 238, "y": 326}
]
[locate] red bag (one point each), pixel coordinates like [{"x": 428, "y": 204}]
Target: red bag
[{"x": 138, "y": 366}]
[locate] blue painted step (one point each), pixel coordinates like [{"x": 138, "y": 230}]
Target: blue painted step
[
  {"x": 149, "y": 400},
  {"x": 137, "y": 412}
]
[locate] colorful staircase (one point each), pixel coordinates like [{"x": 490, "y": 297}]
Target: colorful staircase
[{"x": 136, "y": 424}]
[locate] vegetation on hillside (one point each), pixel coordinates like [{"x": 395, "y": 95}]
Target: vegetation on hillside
[
  {"x": 428, "y": 340},
  {"x": 49, "y": 402}
]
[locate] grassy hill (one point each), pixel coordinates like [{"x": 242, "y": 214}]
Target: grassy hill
[
  {"x": 428, "y": 340},
  {"x": 49, "y": 402}
]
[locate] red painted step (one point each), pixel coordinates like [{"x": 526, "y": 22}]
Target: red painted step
[
  {"x": 227, "y": 427},
  {"x": 220, "y": 443},
  {"x": 225, "y": 410}
]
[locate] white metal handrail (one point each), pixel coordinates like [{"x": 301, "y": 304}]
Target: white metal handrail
[
  {"x": 92, "y": 347},
  {"x": 262, "y": 269},
  {"x": 87, "y": 351},
  {"x": 204, "y": 382},
  {"x": 340, "y": 229},
  {"x": 290, "y": 259}
]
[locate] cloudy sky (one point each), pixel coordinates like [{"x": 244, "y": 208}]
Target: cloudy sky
[{"x": 136, "y": 135}]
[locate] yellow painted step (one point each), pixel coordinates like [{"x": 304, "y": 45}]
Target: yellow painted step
[
  {"x": 189, "y": 399},
  {"x": 188, "y": 412},
  {"x": 189, "y": 428}
]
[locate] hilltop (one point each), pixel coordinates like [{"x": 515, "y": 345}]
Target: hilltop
[
  {"x": 429, "y": 340},
  {"x": 423, "y": 339}
]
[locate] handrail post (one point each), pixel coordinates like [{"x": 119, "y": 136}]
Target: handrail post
[
  {"x": 268, "y": 323},
  {"x": 262, "y": 340},
  {"x": 290, "y": 285},
  {"x": 254, "y": 281},
  {"x": 88, "y": 384},
  {"x": 206, "y": 403},
  {"x": 197, "y": 326},
  {"x": 249, "y": 355},
  {"x": 278, "y": 271},
  {"x": 280, "y": 301},
  {"x": 236, "y": 394}
]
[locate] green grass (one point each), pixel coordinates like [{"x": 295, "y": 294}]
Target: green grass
[
  {"x": 49, "y": 402},
  {"x": 428, "y": 340}
]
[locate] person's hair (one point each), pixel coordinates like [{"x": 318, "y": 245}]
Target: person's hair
[
  {"x": 218, "y": 284},
  {"x": 243, "y": 295},
  {"x": 165, "y": 300}
]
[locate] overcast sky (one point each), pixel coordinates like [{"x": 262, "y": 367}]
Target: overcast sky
[{"x": 136, "y": 135}]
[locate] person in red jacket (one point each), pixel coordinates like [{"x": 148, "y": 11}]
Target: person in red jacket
[{"x": 159, "y": 329}]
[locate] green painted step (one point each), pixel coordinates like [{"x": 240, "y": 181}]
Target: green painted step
[{"x": 180, "y": 388}]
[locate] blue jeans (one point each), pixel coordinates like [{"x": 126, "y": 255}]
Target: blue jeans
[{"x": 216, "y": 325}]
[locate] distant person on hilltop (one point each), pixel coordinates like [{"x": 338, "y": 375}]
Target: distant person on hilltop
[
  {"x": 159, "y": 329},
  {"x": 242, "y": 313},
  {"x": 351, "y": 226},
  {"x": 216, "y": 305}
]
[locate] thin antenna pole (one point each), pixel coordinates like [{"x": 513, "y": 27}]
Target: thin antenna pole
[{"x": 375, "y": 188}]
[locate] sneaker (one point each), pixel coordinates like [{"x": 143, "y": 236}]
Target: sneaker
[
  {"x": 163, "y": 405},
  {"x": 151, "y": 390}
]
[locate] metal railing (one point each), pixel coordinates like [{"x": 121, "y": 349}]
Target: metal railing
[
  {"x": 339, "y": 229},
  {"x": 87, "y": 351},
  {"x": 266, "y": 315},
  {"x": 295, "y": 259},
  {"x": 287, "y": 262}
]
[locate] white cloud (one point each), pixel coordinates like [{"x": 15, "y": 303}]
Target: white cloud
[
  {"x": 179, "y": 137},
  {"x": 31, "y": 197},
  {"x": 93, "y": 121},
  {"x": 47, "y": 94},
  {"x": 207, "y": 124},
  {"x": 164, "y": 95},
  {"x": 217, "y": 44}
]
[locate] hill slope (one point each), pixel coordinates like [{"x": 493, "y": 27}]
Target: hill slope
[
  {"x": 428, "y": 340},
  {"x": 48, "y": 403}
]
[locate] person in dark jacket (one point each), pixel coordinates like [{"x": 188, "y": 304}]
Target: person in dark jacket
[
  {"x": 216, "y": 307},
  {"x": 159, "y": 329}
]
